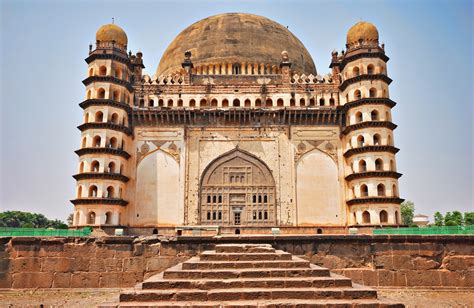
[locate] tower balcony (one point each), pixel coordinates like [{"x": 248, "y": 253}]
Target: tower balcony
[
  {"x": 103, "y": 150},
  {"x": 369, "y": 101},
  {"x": 105, "y": 125},
  {"x": 373, "y": 174},
  {"x": 367, "y": 124},
  {"x": 101, "y": 176},
  {"x": 371, "y": 148},
  {"x": 104, "y": 102},
  {"x": 110, "y": 79},
  {"x": 99, "y": 200},
  {"x": 363, "y": 77},
  {"x": 377, "y": 200}
]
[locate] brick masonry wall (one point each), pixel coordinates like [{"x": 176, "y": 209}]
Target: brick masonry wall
[{"x": 125, "y": 261}]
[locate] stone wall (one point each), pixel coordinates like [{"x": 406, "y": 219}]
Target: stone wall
[{"x": 124, "y": 261}]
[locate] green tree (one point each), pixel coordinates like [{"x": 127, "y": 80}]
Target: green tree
[
  {"x": 70, "y": 219},
  {"x": 439, "y": 219},
  {"x": 453, "y": 219},
  {"x": 469, "y": 218},
  {"x": 407, "y": 211},
  {"x": 18, "y": 219}
]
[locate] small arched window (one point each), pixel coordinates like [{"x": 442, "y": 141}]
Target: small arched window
[
  {"x": 380, "y": 190},
  {"x": 161, "y": 103},
  {"x": 379, "y": 164},
  {"x": 373, "y": 92},
  {"x": 364, "y": 190},
  {"x": 151, "y": 103},
  {"x": 392, "y": 165},
  {"x": 108, "y": 218},
  {"x": 359, "y": 117},
  {"x": 370, "y": 69},
  {"x": 376, "y": 139},
  {"x": 89, "y": 94},
  {"x": 79, "y": 192},
  {"x": 91, "y": 71},
  {"x": 357, "y": 94},
  {"x": 114, "y": 118},
  {"x": 332, "y": 102},
  {"x": 111, "y": 167},
  {"x": 247, "y": 103},
  {"x": 180, "y": 103},
  {"x": 389, "y": 140},
  {"x": 236, "y": 69},
  {"x": 269, "y": 102},
  {"x": 110, "y": 192},
  {"x": 99, "y": 116},
  {"x": 383, "y": 216},
  {"x": 203, "y": 103},
  {"x": 374, "y": 115},
  {"x": 192, "y": 103},
  {"x": 292, "y": 102},
  {"x": 102, "y": 71},
  {"x": 397, "y": 220},
  {"x": 77, "y": 218},
  {"x": 113, "y": 143},
  {"x": 100, "y": 93},
  {"x": 258, "y": 102},
  {"x": 81, "y": 167},
  {"x": 236, "y": 103},
  {"x": 302, "y": 102},
  {"x": 362, "y": 166},
  {"x": 214, "y": 103},
  {"x": 84, "y": 142},
  {"x": 225, "y": 102},
  {"x": 170, "y": 103},
  {"x": 360, "y": 141},
  {"x": 93, "y": 191},
  {"x": 366, "y": 217},
  {"x": 321, "y": 102},
  {"x": 96, "y": 141},
  {"x": 95, "y": 166},
  {"x": 91, "y": 218},
  {"x": 312, "y": 102},
  {"x": 355, "y": 71},
  {"x": 394, "y": 190}
]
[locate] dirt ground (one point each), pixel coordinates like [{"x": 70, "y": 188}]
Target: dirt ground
[{"x": 411, "y": 297}]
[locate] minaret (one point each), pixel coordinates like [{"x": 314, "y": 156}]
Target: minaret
[
  {"x": 371, "y": 177},
  {"x": 105, "y": 134}
]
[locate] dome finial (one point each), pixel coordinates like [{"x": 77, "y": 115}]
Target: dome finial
[{"x": 113, "y": 21}]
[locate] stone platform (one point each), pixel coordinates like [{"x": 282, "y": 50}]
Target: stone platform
[{"x": 248, "y": 275}]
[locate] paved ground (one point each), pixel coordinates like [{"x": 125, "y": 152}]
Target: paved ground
[{"x": 83, "y": 298}]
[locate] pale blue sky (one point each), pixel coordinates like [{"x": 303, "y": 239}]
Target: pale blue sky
[{"x": 43, "y": 45}]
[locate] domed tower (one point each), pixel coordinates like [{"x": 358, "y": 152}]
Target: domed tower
[
  {"x": 105, "y": 134},
  {"x": 371, "y": 176}
]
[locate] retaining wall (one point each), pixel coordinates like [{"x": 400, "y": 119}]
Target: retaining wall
[{"x": 395, "y": 260}]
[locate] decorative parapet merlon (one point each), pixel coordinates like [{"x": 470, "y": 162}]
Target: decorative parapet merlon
[
  {"x": 367, "y": 200},
  {"x": 111, "y": 79},
  {"x": 367, "y": 124},
  {"x": 373, "y": 174},
  {"x": 105, "y": 125},
  {"x": 311, "y": 79},
  {"x": 101, "y": 175},
  {"x": 363, "y": 77},
  {"x": 371, "y": 148},
  {"x": 101, "y": 150},
  {"x": 107, "y": 201}
]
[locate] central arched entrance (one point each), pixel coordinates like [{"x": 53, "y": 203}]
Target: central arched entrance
[{"x": 237, "y": 189}]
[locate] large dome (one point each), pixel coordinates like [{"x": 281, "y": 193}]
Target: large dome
[{"x": 236, "y": 38}]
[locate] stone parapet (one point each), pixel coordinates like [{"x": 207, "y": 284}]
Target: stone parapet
[{"x": 379, "y": 260}]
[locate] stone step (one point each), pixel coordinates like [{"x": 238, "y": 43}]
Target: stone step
[
  {"x": 177, "y": 272},
  {"x": 247, "y": 294},
  {"x": 247, "y": 248},
  {"x": 209, "y": 284},
  {"x": 211, "y": 255},
  {"x": 339, "y": 303},
  {"x": 194, "y": 263}
]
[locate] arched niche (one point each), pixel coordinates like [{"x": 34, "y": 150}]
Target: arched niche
[
  {"x": 157, "y": 200},
  {"x": 318, "y": 190},
  {"x": 237, "y": 188}
]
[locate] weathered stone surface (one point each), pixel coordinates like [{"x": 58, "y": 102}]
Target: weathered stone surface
[
  {"x": 54, "y": 264},
  {"x": 81, "y": 280},
  {"x": 457, "y": 263},
  {"x": 62, "y": 280},
  {"x": 32, "y": 280},
  {"x": 420, "y": 263},
  {"x": 25, "y": 264}
]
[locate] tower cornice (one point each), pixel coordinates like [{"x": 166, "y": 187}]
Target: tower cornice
[{"x": 363, "y": 77}]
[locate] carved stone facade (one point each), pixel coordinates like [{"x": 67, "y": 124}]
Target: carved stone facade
[{"x": 247, "y": 142}]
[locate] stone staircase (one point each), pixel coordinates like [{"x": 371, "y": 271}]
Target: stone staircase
[{"x": 247, "y": 275}]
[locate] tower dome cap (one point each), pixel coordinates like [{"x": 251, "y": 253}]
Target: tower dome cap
[
  {"x": 364, "y": 31},
  {"x": 111, "y": 32}
]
